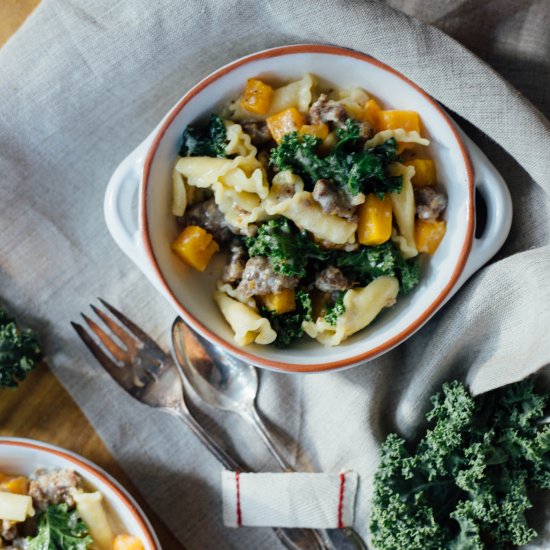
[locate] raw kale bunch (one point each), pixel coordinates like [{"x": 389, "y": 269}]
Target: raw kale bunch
[
  {"x": 288, "y": 248},
  {"x": 465, "y": 484},
  {"x": 354, "y": 169},
  {"x": 206, "y": 142},
  {"x": 288, "y": 326},
  {"x": 60, "y": 529},
  {"x": 19, "y": 352}
]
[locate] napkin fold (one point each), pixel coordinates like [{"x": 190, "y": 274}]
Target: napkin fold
[
  {"x": 310, "y": 500},
  {"x": 84, "y": 82}
]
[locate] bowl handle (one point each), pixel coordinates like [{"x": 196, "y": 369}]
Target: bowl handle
[
  {"x": 121, "y": 208},
  {"x": 496, "y": 195}
]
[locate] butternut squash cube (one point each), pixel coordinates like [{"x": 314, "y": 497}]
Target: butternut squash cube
[
  {"x": 393, "y": 120},
  {"x": 282, "y": 302},
  {"x": 428, "y": 234},
  {"x": 195, "y": 247},
  {"x": 371, "y": 112},
  {"x": 375, "y": 220},
  {"x": 127, "y": 542},
  {"x": 424, "y": 172},
  {"x": 257, "y": 96},
  {"x": 318, "y": 130},
  {"x": 18, "y": 485},
  {"x": 289, "y": 120}
]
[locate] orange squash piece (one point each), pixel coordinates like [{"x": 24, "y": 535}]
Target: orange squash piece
[
  {"x": 195, "y": 247},
  {"x": 375, "y": 220},
  {"x": 424, "y": 172},
  {"x": 371, "y": 112},
  {"x": 393, "y": 120},
  {"x": 282, "y": 302},
  {"x": 289, "y": 120},
  {"x": 257, "y": 96},
  {"x": 18, "y": 485},
  {"x": 318, "y": 130},
  {"x": 127, "y": 542},
  {"x": 428, "y": 234}
]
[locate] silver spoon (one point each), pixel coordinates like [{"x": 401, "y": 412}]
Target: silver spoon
[
  {"x": 222, "y": 381},
  {"x": 230, "y": 384}
]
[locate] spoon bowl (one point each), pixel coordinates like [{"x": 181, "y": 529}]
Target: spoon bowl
[{"x": 221, "y": 380}]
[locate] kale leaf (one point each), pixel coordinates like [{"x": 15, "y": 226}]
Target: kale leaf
[
  {"x": 465, "y": 484},
  {"x": 207, "y": 142},
  {"x": 19, "y": 352},
  {"x": 288, "y": 248},
  {"x": 60, "y": 529},
  {"x": 368, "y": 263},
  {"x": 335, "y": 310},
  {"x": 352, "y": 168},
  {"x": 288, "y": 326}
]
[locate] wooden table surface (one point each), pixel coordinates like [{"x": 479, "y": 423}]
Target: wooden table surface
[{"x": 41, "y": 408}]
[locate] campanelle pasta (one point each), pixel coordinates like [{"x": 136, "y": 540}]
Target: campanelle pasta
[{"x": 322, "y": 201}]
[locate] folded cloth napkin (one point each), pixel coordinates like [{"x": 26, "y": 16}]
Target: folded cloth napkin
[
  {"x": 317, "y": 501},
  {"x": 84, "y": 81}
]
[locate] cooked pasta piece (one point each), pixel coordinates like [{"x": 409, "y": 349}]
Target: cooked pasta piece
[
  {"x": 307, "y": 214},
  {"x": 179, "y": 194},
  {"x": 15, "y": 507},
  {"x": 399, "y": 135},
  {"x": 362, "y": 305},
  {"x": 247, "y": 324},
  {"x": 353, "y": 101},
  {"x": 403, "y": 205},
  {"x": 91, "y": 510},
  {"x": 239, "y": 142},
  {"x": 236, "y": 294}
]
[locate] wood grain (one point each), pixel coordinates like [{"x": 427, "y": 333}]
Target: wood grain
[{"x": 41, "y": 408}]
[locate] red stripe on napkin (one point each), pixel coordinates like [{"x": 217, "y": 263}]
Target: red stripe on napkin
[
  {"x": 341, "y": 501},
  {"x": 238, "y": 487}
]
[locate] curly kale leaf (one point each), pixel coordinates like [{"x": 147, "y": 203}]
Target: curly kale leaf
[
  {"x": 288, "y": 326},
  {"x": 288, "y": 249},
  {"x": 60, "y": 529},
  {"x": 207, "y": 142},
  {"x": 465, "y": 484},
  {"x": 371, "y": 262},
  {"x": 352, "y": 168},
  {"x": 19, "y": 352},
  {"x": 335, "y": 310}
]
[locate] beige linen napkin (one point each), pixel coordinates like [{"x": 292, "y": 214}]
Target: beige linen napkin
[{"x": 84, "y": 81}]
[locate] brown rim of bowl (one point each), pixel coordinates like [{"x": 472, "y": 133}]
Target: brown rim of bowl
[
  {"x": 94, "y": 471},
  {"x": 355, "y": 359}
]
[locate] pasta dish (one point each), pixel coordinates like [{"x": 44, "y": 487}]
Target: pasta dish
[
  {"x": 322, "y": 201},
  {"x": 53, "y": 509}
]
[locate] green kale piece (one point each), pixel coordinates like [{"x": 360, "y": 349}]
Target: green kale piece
[
  {"x": 385, "y": 259},
  {"x": 352, "y": 168},
  {"x": 19, "y": 352},
  {"x": 288, "y": 326},
  {"x": 335, "y": 310},
  {"x": 288, "y": 248},
  {"x": 465, "y": 484},
  {"x": 60, "y": 529},
  {"x": 207, "y": 142}
]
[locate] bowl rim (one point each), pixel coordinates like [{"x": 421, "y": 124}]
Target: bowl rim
[
  {"x": 95, "y": 471},
  {"x": 356, "y": 358}
]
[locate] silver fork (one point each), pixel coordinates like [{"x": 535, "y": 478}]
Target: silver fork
[{"x": 150, "y": 375}]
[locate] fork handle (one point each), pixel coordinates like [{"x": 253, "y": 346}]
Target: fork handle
[
  {"x": 292, "y": 539},
  {"x": 208, "y": 441}
]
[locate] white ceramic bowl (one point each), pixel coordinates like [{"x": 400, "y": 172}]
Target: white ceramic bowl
[
  {"x": 146, "y": 237},
  {"x": 24, "y": 456}
]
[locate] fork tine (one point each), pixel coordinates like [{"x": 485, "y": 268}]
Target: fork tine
[
  {"x": 142, "y": 336},
  {"x": 121, "y": 333},
  {"x": 106, "y": 362},
  {"x": 116, "y": 351}
]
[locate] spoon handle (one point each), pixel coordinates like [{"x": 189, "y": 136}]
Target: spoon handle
[{"x": 256, "y": 421}]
